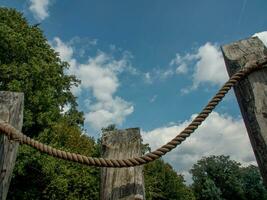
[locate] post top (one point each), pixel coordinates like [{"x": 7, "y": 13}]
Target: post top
[
  {"x": 120, "y": 136},
  {"x": 239, "y": 53}
]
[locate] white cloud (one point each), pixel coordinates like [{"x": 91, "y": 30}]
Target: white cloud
[
  {"x": 177, "y": 60},
  {"x": 210, "y": 67},
  {"x": 99, "y": 76},
  {"x": 181, "y": 62},
  {"x": 262, "y": 36},
  {"x": 39, "y": 8},
  {"x": 65, "y": 51},
  {"x": 207, "y": 66},
  {"x": 182, "y": 69},
  {"x": 147, "y": 78},
  {"x": 178, "y": 65},
  {"x": 109, "y": 112},
  {"x": 167, "y": 73},
  {"x": 219, "y": 134},
  {"x": 153, "y": 99},
  {"x": 162, "y": 74}
]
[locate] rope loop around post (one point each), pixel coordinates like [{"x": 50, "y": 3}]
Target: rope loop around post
[{"x": 13, "y": 134}]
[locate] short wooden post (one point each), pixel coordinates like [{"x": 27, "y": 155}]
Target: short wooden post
[
  {"x": 11, "y": 110},
  {"x": 123, "y": 183},
  {"x": 251, "y": 94}
]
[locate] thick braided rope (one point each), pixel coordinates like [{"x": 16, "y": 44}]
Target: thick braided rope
[{"x": 13, "y": 134}]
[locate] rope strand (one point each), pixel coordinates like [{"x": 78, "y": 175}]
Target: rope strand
[{"x": 15, "y": 135}]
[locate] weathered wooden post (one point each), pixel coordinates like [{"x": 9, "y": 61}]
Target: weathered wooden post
[
  {"x": 123, "y": 183},
  {"x": 11, "y": 110},
  {"x": 251, "y": 94}
]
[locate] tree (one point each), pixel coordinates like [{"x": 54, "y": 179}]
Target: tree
[
  {"x": 218, "y": 177},
  {"x": 29, "y": 65},
  {"x": 252, "y": 183},
  {"x": 52, "y": 178},
  {"x": 223, "y": 172},
  {"x": 162, "y": 182},
  {"x": 210, "y": 191}
]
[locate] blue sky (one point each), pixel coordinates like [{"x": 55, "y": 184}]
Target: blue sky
[{"x": 153, "y": 64}]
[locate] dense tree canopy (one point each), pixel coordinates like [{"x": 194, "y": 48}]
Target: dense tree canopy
[
  {"x": 162, "y": 182},
  {"x": 252, "y": 183},
  {"x": 51, "y": 178},
  {"x": 218, "y": 177},
  {"x": 28, "y": 64}
]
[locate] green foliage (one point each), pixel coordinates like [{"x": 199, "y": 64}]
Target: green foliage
[
  {"x": 29, "y": 65},
  {"x": 111, "y": 127},
  {"x": 210, "y": 190},
  {"x": 162, "y": 182},
  {"x": 252, "y": 183},
  {"x": 51, "y": 178},
  {"x": 218, "y": 177}
]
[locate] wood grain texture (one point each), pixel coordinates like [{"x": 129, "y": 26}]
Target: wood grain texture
[
  {"x": 123, "y": 183},
  {"x": 251, "y": 94},
  {"x": 11, "y": 110}
]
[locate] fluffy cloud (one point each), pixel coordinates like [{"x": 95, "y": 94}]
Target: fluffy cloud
[
  {"x": 262, "y": 36},
  {"x": 210, "y": 67},
  {"x": 99, "y": 76},
  {"x": 181, "y": 62},
  {"x": 104, "y": 113},
  {"x": 219, "y": 134},
  {"x": 206, "y": 64},
  {"x": 39, "y": 8},
  {"x": 65, "y": 51}
]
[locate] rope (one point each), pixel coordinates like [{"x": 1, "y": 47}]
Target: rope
[{"x": 14, "y": 134}]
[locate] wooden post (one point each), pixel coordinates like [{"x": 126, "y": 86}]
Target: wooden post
[
  {"x": 123, "y": 183},
  {"x": 251, "y": 95},
  {"x": 11, "y": 110}
]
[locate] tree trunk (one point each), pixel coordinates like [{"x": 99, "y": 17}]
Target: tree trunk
[
  {"x": 122, "y": 183},
  {"x": 251, "y": 94},
  {"x": 11, "y": 110}
]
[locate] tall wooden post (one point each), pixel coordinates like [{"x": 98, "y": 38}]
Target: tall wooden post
[
  {"x": 11, "y": 110},
  {"x": 123, "y": 183},
  {"x": 251, "y": 95}
]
